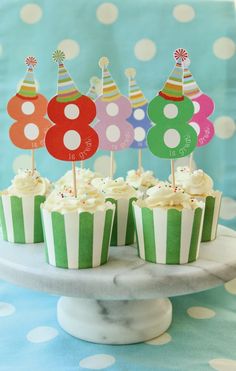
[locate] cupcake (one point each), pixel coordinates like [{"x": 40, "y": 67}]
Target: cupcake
[
  {"x": 141, "y": 180},
  {"x": 120, "y": 193},
  {"x": 82, "y": 175},
  {"x": 20, "y": 207},
  {"x": 200, "y": 185},
  {"x": 77, "y": 230},
  {"x": 168, "y": 225}
]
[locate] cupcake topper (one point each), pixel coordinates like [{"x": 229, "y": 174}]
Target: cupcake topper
[
  {"x": 28, "y": 108},
  {"x": 113, "y": 109},
  {"x": 71, "y": 138},
  {"x": 139, "y": 118},
  {"x": 203, "y": 107},
  {"x": 172, "y": 137},
  {"x": 95, "y": 87}
]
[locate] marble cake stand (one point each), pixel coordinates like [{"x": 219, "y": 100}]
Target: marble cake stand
[{"x": 125, "y": 301}]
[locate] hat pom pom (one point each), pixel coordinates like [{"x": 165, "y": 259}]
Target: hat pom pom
[
  {"x": 94, "y": 81},
  {"x": 31, "y": 61},
  {"x": 187, "y": 63},
  {"x": 58, "y": 56},
  {"x": 130, "y": 72},
  {"x": 103, "y": 61},
  {"x": 180, "y": 54}
]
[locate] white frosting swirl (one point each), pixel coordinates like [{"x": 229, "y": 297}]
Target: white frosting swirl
[
  {"x": 114, "y": 188},
  {"x": 88, "y": 199},
  {"x": 82, "y": 176},
  {"x": 198, "y": 183},
  {"x": 181, "y": 175},
  {"x": 140, "y": 179},
  {"x": 26, "y": 183}
]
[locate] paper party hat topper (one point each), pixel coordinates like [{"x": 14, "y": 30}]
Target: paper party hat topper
[
  {"x": 71, "y": 138},
  {"x": 203, "y": 107},
  {"x": 136, "y": 95},
  {"x": 94, "y": 89},
  {"x": 28, "y": 108},
  {"x": 110, "y": 90},
  {"x": 170, "y": 111}
]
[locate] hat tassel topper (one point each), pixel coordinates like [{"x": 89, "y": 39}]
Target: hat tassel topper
[
  {"x": 139, "y": 118},
  {"x": 203, "y": 108},
  {"x": 70, "y": 138},
  {"x": 113, "y": 110},
  {"x": 171, "y": 136},
  {"x": 28, "y": 108}
]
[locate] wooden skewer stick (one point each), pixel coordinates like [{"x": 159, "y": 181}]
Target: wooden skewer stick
[
  {"x": 139, "y": 159},
  {"x": 32, "y": 161},
  {"x": 191, "y": 162},
  {"x": 74, "y": 178},
  {"x": 173, "y": 172},
  {"x": 111, "y": 164}
]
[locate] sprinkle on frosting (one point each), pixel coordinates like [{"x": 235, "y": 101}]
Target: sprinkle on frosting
[
  {"x": 140, "y": 179},
  {"x": 114, "y": 188}
]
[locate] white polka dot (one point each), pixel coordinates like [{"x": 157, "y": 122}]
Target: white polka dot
[
  {"x": 72, "y": 140},
  {"x": 6, "y": 309},
  {"x": 195, "y": 126},
  {"x": 196, "y": 107},
  {"x": 112, "y": 109},
  {"x": 160, "y": 340},
  {"x": 200, "y": 312},
  {"x": 171, "y": 138},
  {"x": 223, "y": 364},
  {"x": 71, "y": 111},
  {"x": 228, "y": 208},
  {"x": 41, "y": 334},
  {"x": 224, "y": 127},
  {"x": 22, "y": 162},
  {"x": 184, "y": 161},
  {"x": 113, "y": 133},
  {"x": 139, "y": 114},
  {"x": 97, "y": 362},
  {"x": 170, "y": 111},
  {"x": 31, "y": 13},
  {"x": 183, "y": 13},
  {"x": 70, "y": 47},
  {"x": 107, "y": 13},
  {"x": 139, "y": 134},
  {"x": 145, "y": 49},
  {"x": 231, "y": 287},
  {"x": 28, "y": 108},
  {"x": 224, "y": 48},
  {"x": 102, "y": 165},
  {"x": 31, "y": 131}
]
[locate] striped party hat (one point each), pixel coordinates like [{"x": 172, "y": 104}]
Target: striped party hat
[
  {"x": 94, "y": 89},
  {"x": 28, "y": 86},
  {"x": 136, "y": 96},
  {"x": 191, "y": 89},
  {"x": 110, "y": 90},
  {"x": 173, "y": 88},
  {"x": 66, "y": 89}
]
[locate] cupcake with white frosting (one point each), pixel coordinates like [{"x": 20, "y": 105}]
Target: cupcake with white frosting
[
  {"x": 78, "y": 229},
  {"x": 168, "y": 225},
  {"x": 82, "y": 176},
  {"x": 20, "y": 207},
  {"x": 121, "y": 194},
  {"x": 200, "y": 185},
  {"x": 141, "y": 180}
]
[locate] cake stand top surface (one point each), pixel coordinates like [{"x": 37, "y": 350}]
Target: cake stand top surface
[{"x": 125, "y": 277}]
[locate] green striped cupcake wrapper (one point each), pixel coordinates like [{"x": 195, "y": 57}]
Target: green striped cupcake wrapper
[
  {"x": 21, "y": 218},
  {"x": 77, "y": 240},
  {"x": 168, "y": 236},
  {"x": 211, "y": 216},
  {"x": 123, "y": 232}
]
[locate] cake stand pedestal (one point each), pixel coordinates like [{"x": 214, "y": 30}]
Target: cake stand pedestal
[{"x": 125, "y": 301}]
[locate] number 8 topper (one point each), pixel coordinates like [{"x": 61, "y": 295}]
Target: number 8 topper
[
  {"x": 113, "y": 110},
  {"x": 172, "y": 137},
  {"x": 71, "y": 138},
  {"x": 28, "y": 108}
]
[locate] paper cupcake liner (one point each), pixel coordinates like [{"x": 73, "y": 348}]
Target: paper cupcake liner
[
  {"x": 168, "y": 236},
  {"x": 123, "y": 227},
  {"x": 77, "y": 240},
  {"x": 211, "y": 216},
  {"x": 21, "y": 218}
]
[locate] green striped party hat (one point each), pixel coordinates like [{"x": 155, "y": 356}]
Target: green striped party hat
[
  {"x": 66, "y": 89},
  {"x": 136, "y": 96},
  {"x": 93, "y": 91},
  {"x": 28, "y": 86},
  {"x": 110, "y": 90},
  {"x": 191, "y": 89},
  {"x": 173, "y": 88}
]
